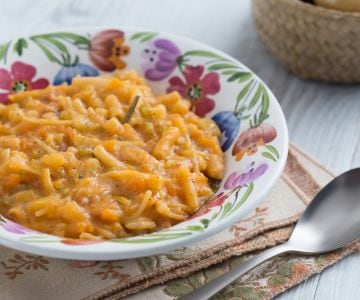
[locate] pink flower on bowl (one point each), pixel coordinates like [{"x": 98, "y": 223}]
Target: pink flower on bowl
[
  {"x": 216, "y": 200},
  {"x": 196, "y": 88},
  {"x": 20, "y": 78}
]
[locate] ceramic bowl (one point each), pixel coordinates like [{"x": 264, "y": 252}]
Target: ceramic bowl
[{"x": 254, "y": 131}]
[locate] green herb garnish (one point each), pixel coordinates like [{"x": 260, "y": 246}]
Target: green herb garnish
[{"x": 131, "y": 110}]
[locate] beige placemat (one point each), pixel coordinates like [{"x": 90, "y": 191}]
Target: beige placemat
[{"x": 173, "y": 274}]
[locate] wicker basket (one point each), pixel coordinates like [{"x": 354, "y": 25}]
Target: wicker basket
[{"x": 311, "y": 41}]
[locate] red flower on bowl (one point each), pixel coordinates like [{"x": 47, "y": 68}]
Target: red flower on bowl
[
  {"x": 20, "y": 78},
  {"x": 217, "y": 200},
  {"x": 197, "y": 87}
]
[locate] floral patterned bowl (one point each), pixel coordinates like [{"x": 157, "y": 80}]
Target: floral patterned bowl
[{"x": 255, "y": 137}]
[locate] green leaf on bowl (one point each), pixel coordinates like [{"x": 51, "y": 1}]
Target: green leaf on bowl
[
  {"x": 20, "y": 45},
  {"x": 46, "y": 51},
  {"x": 197, "y": 228},
  {"x": 222, "y": 66},
  {"x": 228, "y": 72},
  {"x": 152, "y": 238},
  {"x": 54, "y": 42},
  {"x": 143, "y": 36},
  {"x": 39, "y": 239},
  {"x": 268, "y": 155},
  {"x": 242, "y": 95},
  {"x": 256, "y": 97},
  {"x": 273, "y": 150},
  {"x": 75, "y": 39},
  {"x": 204, "y": 53},
  {"x": 3, "y": 51},
  {"x": 242, "y": 76},
  {"x": 264, "y": 106},
  {"x": 226, "y": 209},
  {"x": 205, "y": 222}
]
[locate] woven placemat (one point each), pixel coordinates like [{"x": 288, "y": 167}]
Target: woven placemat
[{"x": 173, "y": 274}]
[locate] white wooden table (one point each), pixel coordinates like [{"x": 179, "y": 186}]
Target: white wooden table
[{"x": 323, "y": 119}]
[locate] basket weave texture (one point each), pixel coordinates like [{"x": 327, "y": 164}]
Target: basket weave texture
[{"x": 311, "y": 41}]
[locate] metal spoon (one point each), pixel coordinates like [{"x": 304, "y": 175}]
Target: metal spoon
[{"x": 331, "y": 221}]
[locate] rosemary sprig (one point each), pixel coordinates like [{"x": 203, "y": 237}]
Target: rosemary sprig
[{"x": 131, "y": 110}]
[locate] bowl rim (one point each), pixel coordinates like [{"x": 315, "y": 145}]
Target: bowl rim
[{"x": 89, "y": 253}]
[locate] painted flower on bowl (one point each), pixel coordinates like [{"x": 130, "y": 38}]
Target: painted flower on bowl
[
  {"x": 251, "y": 139},
  {"x": 240, "y": 179},
  {"x": 216, "y": 200},
  {"x": 196, "y": 87},
  {"x": 229, "y": 125},
  {"x": 20, "y": 78},
  {"x": 13, "y": 227},
  {"x": 161, "y": 59},
  {"x": 67, "y": 73},
  {"x": 108, "y": 49}
]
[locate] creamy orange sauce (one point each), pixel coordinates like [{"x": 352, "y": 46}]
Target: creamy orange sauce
[{"x": 75, "y": 162}]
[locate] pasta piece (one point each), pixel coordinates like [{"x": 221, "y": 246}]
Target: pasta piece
[
  {"x": 131, "y": 181},
  {"x": 46, "y": 181},
  {"x": 54, "y": 160},
  {"x": 107, "y": 234},
  {"x": 113, "y": 126},
  {"x": 47, "y": 121},
  {"x": 137, "y": 157},
  {"x": 140, "y": 224},
  {"x": 165, "y": 211},
  {"x": 10, "y": 181},
  {"x": 110, "y": 215},
  {"x": 107, "y": 159},
  {"x": 215, "y": 167},
  {"x": 164, "y": 146},
  {"x": 140, "y": 209},
  {"x": 187, "y": 182},
  {"x": 10, "y": 141},
  {"x": 82, "y": 83},
  {"x": 79, "y": 106},
  {"x": 88, "y": 161}
]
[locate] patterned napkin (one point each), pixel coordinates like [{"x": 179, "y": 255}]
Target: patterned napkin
[{"x": 176, "y": 273}]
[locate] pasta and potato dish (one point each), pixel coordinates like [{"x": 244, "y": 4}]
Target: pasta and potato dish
[{"x": 104, "y": 158}]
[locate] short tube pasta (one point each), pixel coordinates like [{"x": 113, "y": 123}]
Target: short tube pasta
[{"x": 86, "y": 161}]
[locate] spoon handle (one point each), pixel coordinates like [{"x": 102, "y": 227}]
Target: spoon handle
[{"x": 211, "y": 288}]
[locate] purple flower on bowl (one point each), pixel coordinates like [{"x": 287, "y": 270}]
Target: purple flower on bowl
[
  {"x": 13, "y": 227},
  {"x": 161, "y": 59},
  {"x": 67, "y": 73},
  {"x": 239, "y": 179}
]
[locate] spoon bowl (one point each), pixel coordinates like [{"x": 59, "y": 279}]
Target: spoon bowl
[
  {"x": 330, "y": 222},
  {"x": 332, "y": 219}
]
